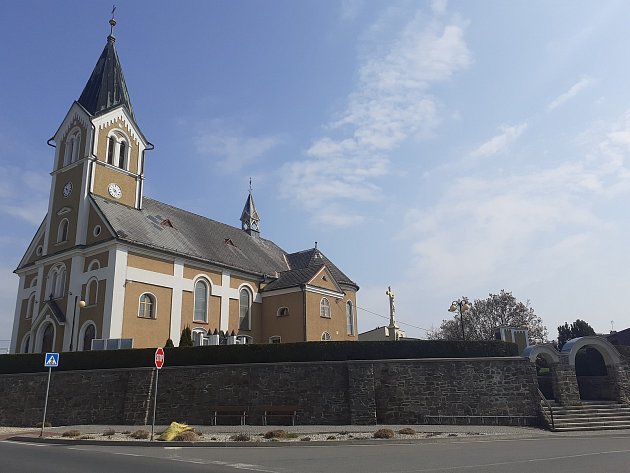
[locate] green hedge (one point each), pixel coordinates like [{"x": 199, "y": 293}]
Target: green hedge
[{"x": 260, "y": 353}]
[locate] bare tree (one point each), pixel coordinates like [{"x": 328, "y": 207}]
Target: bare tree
[{"x": 485, "y": 315}]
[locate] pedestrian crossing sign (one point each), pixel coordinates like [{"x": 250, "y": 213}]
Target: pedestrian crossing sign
[{"x": 51, "y": 360}]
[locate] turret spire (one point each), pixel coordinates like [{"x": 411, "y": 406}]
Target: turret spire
[{"x": 250, "y": 221}]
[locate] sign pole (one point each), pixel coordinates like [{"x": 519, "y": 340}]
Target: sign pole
[
  {"x": 157, "y": 376},
  {"x": 41, "y": 434}
]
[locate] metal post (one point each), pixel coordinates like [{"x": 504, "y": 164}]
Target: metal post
[
  {"x": 74, "y": 318},
  {"x": 461, "y": 320},
  {"x": 157, "y": 376},
  {"x": 41, "y": 433}
]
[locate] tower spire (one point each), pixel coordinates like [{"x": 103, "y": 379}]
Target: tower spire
[
  {"x": 250, "y": 221},
  {"x": 112, "y": 23}
]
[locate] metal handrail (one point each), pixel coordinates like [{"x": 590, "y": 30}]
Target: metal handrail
[{"x": 544, "y": 399}]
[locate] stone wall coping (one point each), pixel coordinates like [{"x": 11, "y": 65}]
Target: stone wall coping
[{"x": 326, "y": 362}]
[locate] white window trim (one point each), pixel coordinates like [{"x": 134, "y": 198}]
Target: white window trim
[
  {"x": 60, "y": 230},
  {"x": 72, "y": 146},
  {"x": 278, "y": 314},
  {"x": 322, "y": 306},
  {"x": 200, "y": 331},
  {"x": 94, "y": 265},
  {"x": 30, "y": 306},
  {"x": 119, "y": 137},
  {"x": 58, "y": 289},
  {"x": 154, "y": 306},
  {"x": 273, "y": 339},
  {"x": 325, "y": 337},
  {"x": 40, "y": 335},
  {"x": 88, "y": 292},
  {"x": 350, "y": 318},
  {"x": 26, "y": 337},
  {"x": 208, "y": 285},
  {"x": 249, "y": 309}
]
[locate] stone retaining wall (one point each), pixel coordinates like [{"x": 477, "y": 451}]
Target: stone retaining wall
[{"x": 492, "y": 390}]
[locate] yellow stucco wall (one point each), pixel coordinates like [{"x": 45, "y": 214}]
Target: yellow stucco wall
[
  {"x": 122, "y": 125},
  {"x": 191, "y": 272},
  {"x": 150, "y": 263},
  {"x": 106, "y": 175},
  {"x": 62, "y": 146},
  {"x": 73, "y": 175},
  {"x": 102, "y": 258},
  {"x": 147, "y": 333},
  {"x": 94, "y": 219},
  {"x": 291, "y": 327},
  {"x": 336, "y": 326},
  {"x": 214, "y": 312}
]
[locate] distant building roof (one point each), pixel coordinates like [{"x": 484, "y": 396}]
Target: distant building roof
[{"x": 620, "y": 338}]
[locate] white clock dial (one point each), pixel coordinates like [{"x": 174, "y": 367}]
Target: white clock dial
[
  {"x": 67, "y": 189},
  {"x": 114, "y": 190}
]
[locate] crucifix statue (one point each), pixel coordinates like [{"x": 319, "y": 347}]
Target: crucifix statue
[{"x": 392, "y": 308}]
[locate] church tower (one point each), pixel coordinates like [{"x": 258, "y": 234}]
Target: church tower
[{"x": 250, "y": 221}]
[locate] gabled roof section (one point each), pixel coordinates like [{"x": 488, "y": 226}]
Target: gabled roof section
[
  {"x": 106, "y": 89},
  {"x": 32, "y": 247},
  {"x": 315, "y": 258},
  {"x": 191, "y": 235},
  {"x": 293, "y": 278},
  {"x": 55, "y": 309}
]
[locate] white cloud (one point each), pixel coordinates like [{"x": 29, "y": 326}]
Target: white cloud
[
  {"x": 439, "y": 6},
  {"x": 350, "y": 9},
  {"x": 390, "y": 104},
  {"x": 572, "y": 92},
  {"x": 24, "y": 194},
  {"x": 233, "y": 150},
  {"x": 500, "y": 142}
]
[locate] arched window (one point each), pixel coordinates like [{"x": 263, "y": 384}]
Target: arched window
[
  {"x": 34, "y": 282},
  {"x": 26, "y": 343},
  {"x": 48, "y": 339},
  {"x": 62, "y": 231},
  {"x": 350, "y": 317},
  {"x": 56, "y": 286},
  {"x": 91, "y": 292},
  {"x": 94, "y": 265},
  {"x": 147, "y": 307},
  {"x": 118, "y": 150},
  {"x": 111, "y": 147},
  {"x": 89, "y": 334},
  {"x": 244, "y": 321},
  {"x": 326, "y": 337},
  {"x": 30, "y": 306},
  {"x": 275, "y": 339},
  {"x": 283, "y": 312},
  {"x": 324, "y": 308},
  {"x": 198, "y": 335},
  {"x": 73, "y": 144},
  {"x": 201, "y": 301}
]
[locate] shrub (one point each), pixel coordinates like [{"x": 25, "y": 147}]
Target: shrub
[
  {"x": 292, "y": 435},
  {"x": 186, "y": 339},
  {"x": 71, "y": 433},
  {"x": 331, "y": 437},
  {"x": 169, "y": 343},
  {"x": 384, "y": 434},
  {"x": 242, "y": 437},
  {"x": 140, "y": 435},
  {"x": 187, "y": 436},
  {"x": 407, "y": 431},
  {"x": 305, "y": 439},
  {"x": 109, "y": 433},
  {"x": 276, "y": 434}
]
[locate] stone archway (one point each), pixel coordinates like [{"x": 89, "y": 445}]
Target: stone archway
[
  {"x": 546, "y": 360},
  {"x": 596, "y": 364}
]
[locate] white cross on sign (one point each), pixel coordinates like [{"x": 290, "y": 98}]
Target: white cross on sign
[{"x": 51, "y": 360}]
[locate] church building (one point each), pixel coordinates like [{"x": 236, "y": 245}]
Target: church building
[{"x": 110, "y": 268}]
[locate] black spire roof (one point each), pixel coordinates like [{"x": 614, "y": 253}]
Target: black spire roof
[{"x": 106, "y": 88}]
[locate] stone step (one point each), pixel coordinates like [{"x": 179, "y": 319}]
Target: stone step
[
  {"x": 591, "y": 427},
  {"x": 591, "y": 415}
]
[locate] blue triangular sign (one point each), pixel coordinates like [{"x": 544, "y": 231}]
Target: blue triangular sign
[{"x": 51, "y": 360}]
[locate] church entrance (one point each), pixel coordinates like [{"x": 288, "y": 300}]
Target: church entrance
[{"x": 593, "y": 379}]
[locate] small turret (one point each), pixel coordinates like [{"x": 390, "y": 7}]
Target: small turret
[{"x": 250, "y": 221}]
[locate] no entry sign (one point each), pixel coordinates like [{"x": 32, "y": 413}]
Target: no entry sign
[{"x": 159, "y": 358}]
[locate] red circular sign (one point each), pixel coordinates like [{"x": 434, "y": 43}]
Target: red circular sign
[{"x": 159, "y": 358}]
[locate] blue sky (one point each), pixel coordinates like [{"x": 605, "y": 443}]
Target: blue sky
[{"x": 443, "y": 148}]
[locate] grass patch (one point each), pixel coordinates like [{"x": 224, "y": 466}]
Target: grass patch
[
  {"x": 71, "y": 433},
  {"x": 276, "y": 434},
  {"x": 384, "y": 434},
  {"x": 187, "y": 436},
  {"x": 140, "y": 434},
  {"x": 242, "y": 437},
  {"x": 109, "y": 433}
]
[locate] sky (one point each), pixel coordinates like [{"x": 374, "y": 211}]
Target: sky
[{"x": 445, "y": 149}]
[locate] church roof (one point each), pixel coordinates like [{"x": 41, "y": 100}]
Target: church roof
[
  {"x": 164, "y": 227},
  {"x": 106, "y": 88}
]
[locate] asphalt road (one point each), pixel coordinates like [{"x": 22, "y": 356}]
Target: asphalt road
[{"x": 608, "y": 453}]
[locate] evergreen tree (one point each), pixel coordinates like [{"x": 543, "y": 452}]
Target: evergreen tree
[
  {"x": 169, "y": 343},
  {"x": 186, "y": 338},
  {"x": 567, "y": 332}
]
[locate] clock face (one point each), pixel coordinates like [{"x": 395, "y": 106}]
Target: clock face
[
  {"x": 114, "y": 190},
  {"x": 67, "y": 189}
]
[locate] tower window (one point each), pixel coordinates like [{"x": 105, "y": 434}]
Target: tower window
[
  {"x": 118, "y": 151},
  {"x": 326, "y": 337},
  {"x": 62, "y": 231},
  {"x": 73, "y": 144},
  {"x": 30, "y": 306},
  {"x": 283, "y": 312},
  {"x": 56, "y": 286},
  {"x": 91, "y": 292}
]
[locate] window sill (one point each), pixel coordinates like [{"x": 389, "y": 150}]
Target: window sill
[{"x": 204, "y": 322}]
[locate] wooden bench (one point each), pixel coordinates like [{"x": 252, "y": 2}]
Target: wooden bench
[
  {"x": 278, "y": 412},
  {"x": 236, "y": 412}
]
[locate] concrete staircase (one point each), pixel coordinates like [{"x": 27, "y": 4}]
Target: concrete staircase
[{"x": 591, "y": 415}]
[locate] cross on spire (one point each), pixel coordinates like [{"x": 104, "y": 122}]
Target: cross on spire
[{"x": 112, "y": 22}]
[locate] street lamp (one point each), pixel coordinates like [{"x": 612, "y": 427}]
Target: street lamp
[
  {"x": 461, "y": 305},
  {"x": 81, "y": 304}
]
